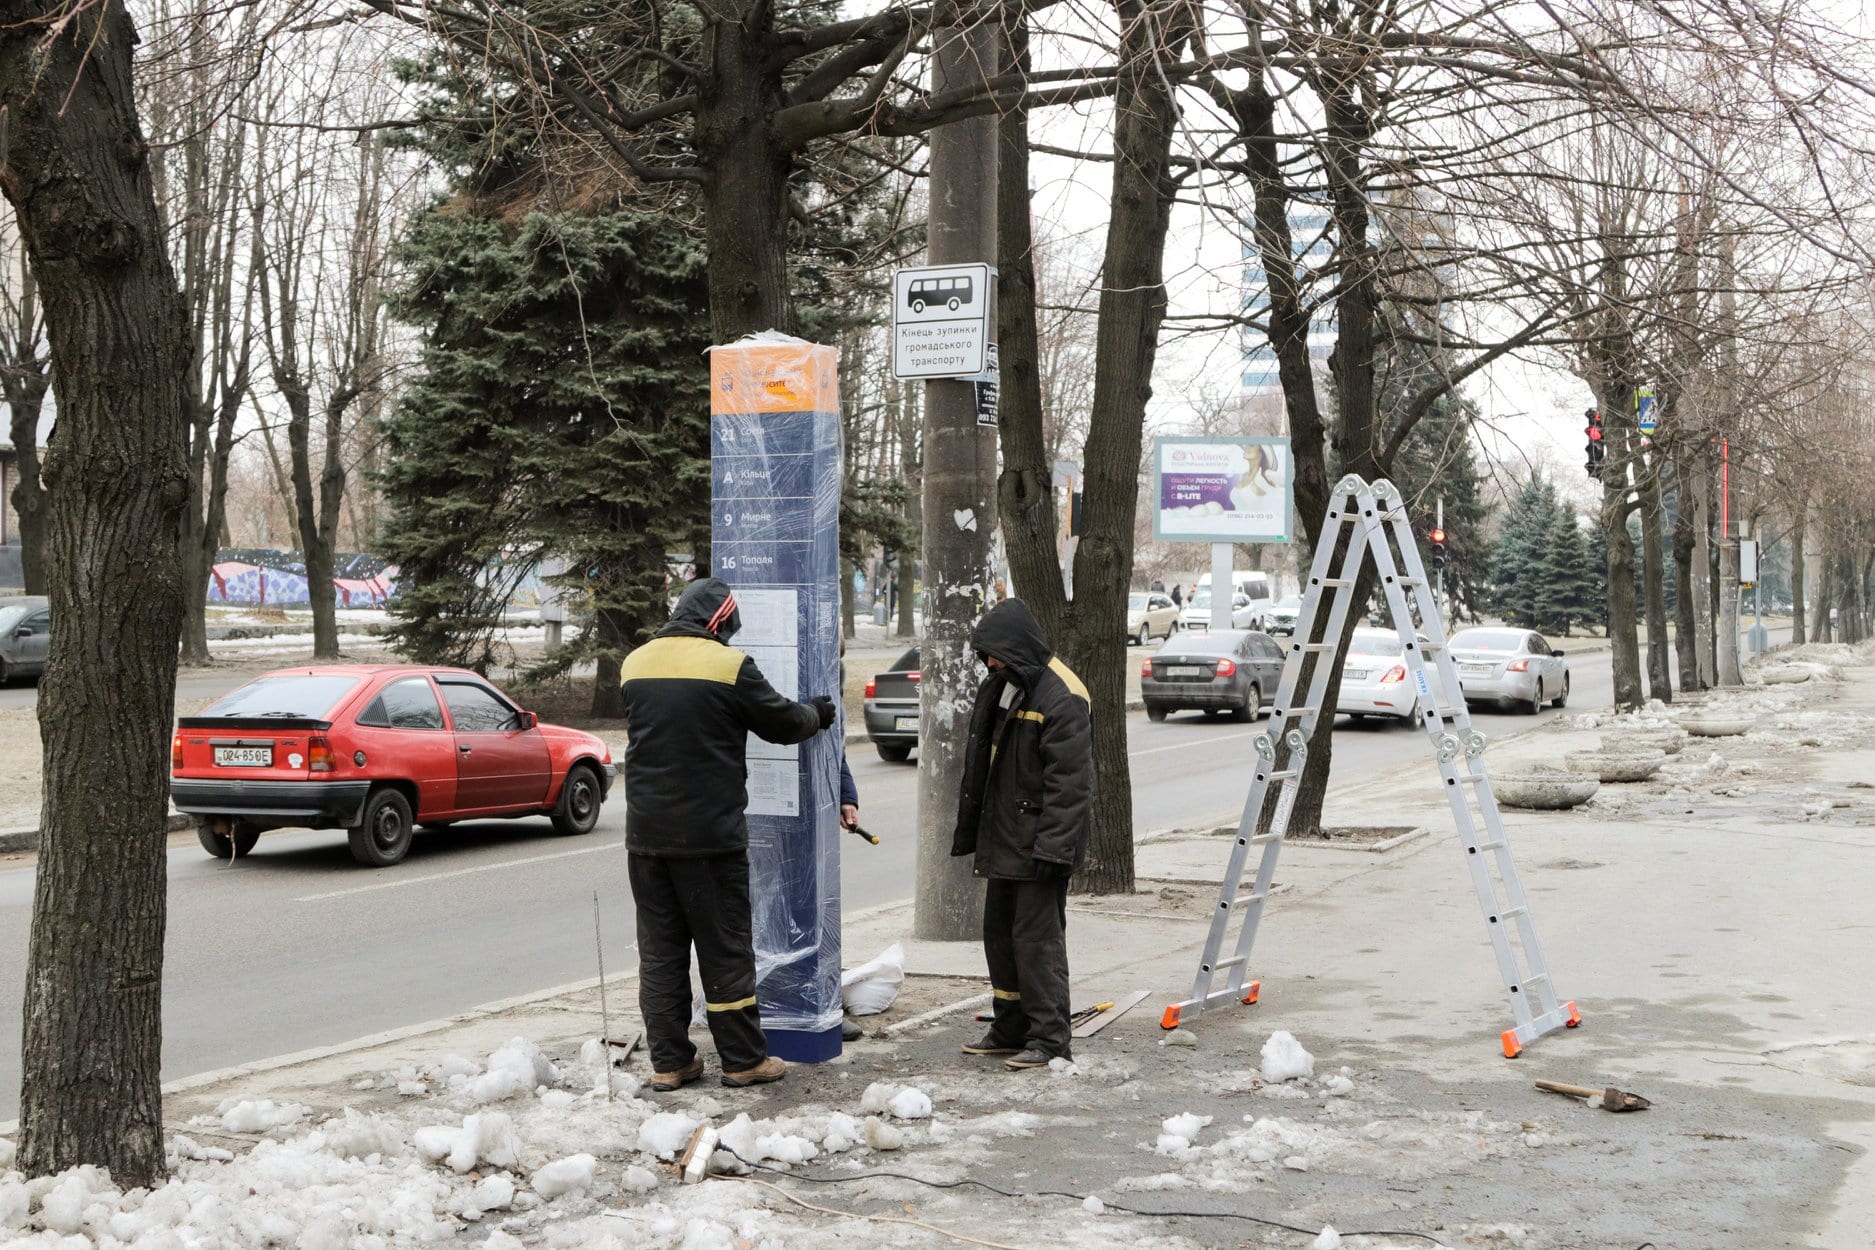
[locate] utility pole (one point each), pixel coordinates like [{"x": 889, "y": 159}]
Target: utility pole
[{"x": 959, "y": 489}]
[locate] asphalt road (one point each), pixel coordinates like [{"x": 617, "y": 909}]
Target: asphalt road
[{"x": 296, "y": 947}]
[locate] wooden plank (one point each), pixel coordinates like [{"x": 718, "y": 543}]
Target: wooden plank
[{"x": 1119, "y": 1008}]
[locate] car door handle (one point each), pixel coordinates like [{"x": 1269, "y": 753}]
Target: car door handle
[{"x": 464, "y": 748}]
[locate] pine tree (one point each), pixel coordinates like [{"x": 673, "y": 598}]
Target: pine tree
[{"x": 1517, "y": 566}]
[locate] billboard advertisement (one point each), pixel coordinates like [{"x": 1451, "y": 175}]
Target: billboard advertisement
[{"x": 1222, "y": 490}]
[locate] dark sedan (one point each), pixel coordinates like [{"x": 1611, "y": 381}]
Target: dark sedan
[
  {"x": 1231, "y": 670},
  {"x": 892, "y": 709}
]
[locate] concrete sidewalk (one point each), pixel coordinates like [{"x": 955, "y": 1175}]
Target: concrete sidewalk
[{"x": 1712, "y": 925}]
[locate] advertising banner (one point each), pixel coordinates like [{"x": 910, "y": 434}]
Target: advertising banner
[{"x": 1222, "y": 490}]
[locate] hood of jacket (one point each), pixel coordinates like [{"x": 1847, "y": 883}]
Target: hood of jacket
[
  {"x": 706, "y": 610},
  {"x": 1010, "y": 632}
]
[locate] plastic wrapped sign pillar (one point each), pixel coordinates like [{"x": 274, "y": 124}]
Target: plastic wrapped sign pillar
[{"x": 775, "y": 536}]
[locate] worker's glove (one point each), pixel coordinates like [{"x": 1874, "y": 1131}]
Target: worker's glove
[
  {"x": 1049, "y": 870},
  {"x": 823, "y": 706}
]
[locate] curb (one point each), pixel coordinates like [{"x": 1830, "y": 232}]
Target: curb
[{"x": 12, "y": 840}]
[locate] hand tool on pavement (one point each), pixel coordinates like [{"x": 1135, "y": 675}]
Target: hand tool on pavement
[
  {"x": 1609, "y": 1099},
  {"x": 1080, "y": 1017},
  {"x": 1373, "y": 518},
  {"x": 1103, "y": 1016}
]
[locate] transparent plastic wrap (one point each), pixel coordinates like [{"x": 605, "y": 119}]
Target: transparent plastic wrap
[{"x": 775, "y": 462}]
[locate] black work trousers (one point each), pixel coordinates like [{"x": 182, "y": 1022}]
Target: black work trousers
[
  {"x": 702, "y": 902},
  {"x": 1025, "y": 941}
]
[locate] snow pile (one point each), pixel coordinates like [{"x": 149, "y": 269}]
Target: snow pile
[
  {"x": 257, "y": 1116},
  {"x": 1176, "y": 1134},
  {"x": 486, "y": 1138},
  {"x": 667, "y": 1133},
  {"x": 902, "y": 1102},
  {"x": 572, "y": 1174},
  {"x": 1284, "y": 1059},
  {"x": 1327, "y": 1239},
  {"x": 516, "y": 1068}
]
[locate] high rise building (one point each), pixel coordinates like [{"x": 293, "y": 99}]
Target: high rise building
[{"x": 1309, "y": 236}]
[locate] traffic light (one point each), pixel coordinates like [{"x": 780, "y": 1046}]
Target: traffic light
[
  {"x": 1437, "y": 540},
  {"x": 1596, "y": 448}
]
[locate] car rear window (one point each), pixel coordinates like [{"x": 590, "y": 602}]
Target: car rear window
[
  {"x": 1223, "y": 642},
  {"x": 906, "y": 663},
  {"x": 289, "y": 694},
  {"x": 1374, "y": 644},
  {"x": 1489, "y": 640}
]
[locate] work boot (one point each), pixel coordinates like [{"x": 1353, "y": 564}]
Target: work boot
[
  {"x": 670, "y": 1082},
  {"x": 766, "y": 1072},
  {"x": 850, "y": 1030},
  {"x": 989, "y": 1046},
  {"x": 1030, "y": 1058}
]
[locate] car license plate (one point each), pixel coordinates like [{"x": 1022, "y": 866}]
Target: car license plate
[
  {"x": 1474, "y": 668},
  {"x": 244, "y": 757},
  {"x": 1355, "y": 673},
  {"x": 1186, "y": 670},
  {"x": 905, "y": 724}
]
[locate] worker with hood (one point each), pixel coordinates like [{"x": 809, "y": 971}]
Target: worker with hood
[
  {"x": 1028, "y": 790},
  {"x": 691, "y": 701}
]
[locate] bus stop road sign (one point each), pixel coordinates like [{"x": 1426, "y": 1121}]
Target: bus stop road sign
[{"x": 940, "y": 321}]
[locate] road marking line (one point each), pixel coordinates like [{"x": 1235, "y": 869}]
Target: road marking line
[
  {"x": 460, "y": 872},
  {"x": 1181, "y": 746}
]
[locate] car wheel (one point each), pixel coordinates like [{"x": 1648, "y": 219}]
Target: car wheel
[
  {"x": 580, "y": 796},
  {"x": 6, "y": 674},
  {"x": 891, "y": 754},
  {"x": 1562, "y": 700},
  {"x": 1143, "y": 637},
  {"x": 1155, "y": 713},
  {"x": 382, "y": 838},
  {"x": 221, "y": 846},
  {"x": 1252, "y": 701},
  {"x": 1535, "y": 703},
  {"x": 1412, "y": 715}
]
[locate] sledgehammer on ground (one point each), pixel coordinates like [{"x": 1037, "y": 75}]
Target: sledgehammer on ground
[{"x": 1610, "y": 1099}]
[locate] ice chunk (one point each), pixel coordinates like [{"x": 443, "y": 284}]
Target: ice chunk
[
  {"x": 488, "y": 1137},
  {"x": 572, "y": 1174},
  {"x": 910, "y": 1104},
  {"x": 881, "y": 1135},
  {"x": 1296, "y": 1163},
  {"x": 639, "y": 1180},
  {"x": 1327, "y": 1239},
  {"x": 738, "y": 1137},
  {"x": 1093, "y": 1205},
  {"x": 1171, "y": 1144},
  {"x": 1185, "y": 1125},
  {"x": 1338, "y": 1086},
  {"x": 555, "y": 1099},
  {"x": 877, "y": 1098},
  {"x": 516, "y": 1068},
  {"x": 667, "y": 1133},
  {"x": 257, "y": 1116},
  {"x": 1063, "y": 1067},
  {"x": 492, "y": 1193},
  {"x": 1284, "y": 1059},
  {"x": 785, "y": 1148},
  {"x": 78, "y": 1197}
]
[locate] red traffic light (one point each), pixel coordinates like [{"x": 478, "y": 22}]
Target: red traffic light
[{"x": 1437, "y": 536}]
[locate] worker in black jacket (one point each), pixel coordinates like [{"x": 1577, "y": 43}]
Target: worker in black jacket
[
  {"x": 1027, "y": 792},
  {"x": 691, "y": 701}
]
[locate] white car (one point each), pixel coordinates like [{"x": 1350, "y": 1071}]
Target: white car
[
  {"x": 1375, "y": 680},
  {"x": 1512, "y": 666},
  {"x": 1150, "y": 615},
  {"x": 1243, "y": 614}
]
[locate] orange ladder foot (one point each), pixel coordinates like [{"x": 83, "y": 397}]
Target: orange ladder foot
[
  {"x": 1251, "y": 991},
  {"x": 1575, "y": 1015},
  {"x": 1169, "y": 1020},
  {"x": 1512, "y": 1047}
]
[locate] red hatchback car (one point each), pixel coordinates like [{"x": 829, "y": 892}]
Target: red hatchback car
[{"x": 374, "y": 749}]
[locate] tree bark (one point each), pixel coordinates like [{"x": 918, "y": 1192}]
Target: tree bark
[
  {"x": 1617, "y": 406},
  {"x": 1654, "y": 579},
  {"x": 25, "y": 384},
  {"x": 1685, "y": 618},
  {"x": 1825, "y": 589},
  {"x": 959, "y": 498},
  {"x": 1799, "y": 523},
  {"x": 77, "y": 175}
]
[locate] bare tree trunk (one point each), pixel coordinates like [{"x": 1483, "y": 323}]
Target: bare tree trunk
[
  {"x": 77, "y": 174},
  {"x": 1820, "y": 629},
  {"x": 1617, "y": 405},
  {"x": 959, "y": 498},
  {"x": 1799, "y": 523},
  {"x": 1699, "y": 485},
  {"x": 1685, "y": 619},
  {"x": 1654, "y": 582},
  {"x": 25, "y": 384}
]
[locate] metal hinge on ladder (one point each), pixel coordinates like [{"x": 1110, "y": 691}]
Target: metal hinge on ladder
[{"x": 1377, "y": 518}]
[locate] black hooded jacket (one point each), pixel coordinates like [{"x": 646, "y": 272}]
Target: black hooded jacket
[
  {"x": 1029, "y": 764},
  {"x": 691, "y": 701}
]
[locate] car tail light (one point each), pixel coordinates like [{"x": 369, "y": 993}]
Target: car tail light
[
  {"x": 319, "y": 756},
  {"x": 175, "y": 751},
  {"x": 1145, "y": 668},
  {"x": 1226, "y": 668},
  {"x": 872, "y": 688},
  {"x": 1519, "y": 666},
  {"x": 914, "y": 676},
  {"x": 1395, "y": 675}
]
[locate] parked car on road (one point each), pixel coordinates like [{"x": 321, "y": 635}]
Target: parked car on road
[
  {"x": 892, "y": 709},
  {"x": 1376, "y": 682},
  {"x": 25, "y": 629},
  {"x": 1511, "y": 666},
  {"x": 1197, "y": 613},
  {"x": 1279, "y": 619},
  {"x": 376, "y": 750},
  {"x": 1150, "y": 614},
  {"x": 1229, "y": 670}
]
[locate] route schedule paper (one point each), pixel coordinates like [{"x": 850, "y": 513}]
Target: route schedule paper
[{"x": 775, "y": 537}]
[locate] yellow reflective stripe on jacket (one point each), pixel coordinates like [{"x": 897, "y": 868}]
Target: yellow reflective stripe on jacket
[
  {"x": 738, "y": 1005},
  {"x": 1037, "y": 717},
  {"x": 1075, "y": 686},
  {"x": 683, "y": 659},
  {"x": 1008, "y": 996}
]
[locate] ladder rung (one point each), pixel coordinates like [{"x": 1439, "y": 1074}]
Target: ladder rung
[
  {"x": 1232, "y": 962},
  {"x": 1409, "y": 581},
  {"x": 1263, "y": 838},
  {"x": 1541, "y": 978},
  {"x": 1511, "y": 913},
  {"x": 1283, "y": 775},
  {"x": 1491, "y": 846},
  {"x": 1315, "y": 646},
  {"x": 1298, "y": 712},
  {"x": 1244, "y": 900},
  {"x": 1335, "y": 581}
]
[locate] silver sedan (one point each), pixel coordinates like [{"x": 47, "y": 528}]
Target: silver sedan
[{"x": 1512, "y": 666}]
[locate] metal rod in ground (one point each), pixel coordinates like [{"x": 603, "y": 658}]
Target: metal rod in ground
[{"x": 605, "y": 1016}]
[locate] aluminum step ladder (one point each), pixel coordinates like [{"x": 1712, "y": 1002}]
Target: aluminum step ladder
[{"x": 1373, "y": 520}]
